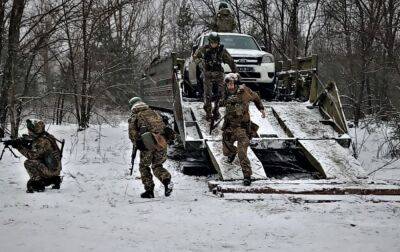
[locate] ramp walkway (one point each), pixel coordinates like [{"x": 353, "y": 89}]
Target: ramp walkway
[{"x": 291, "y": 121}]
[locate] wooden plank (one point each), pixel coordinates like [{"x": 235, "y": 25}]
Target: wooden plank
[
  {"x": 273, "y": 187},
  {"x": 233, "y": 171},
  {"x": 332, "y": 160}
]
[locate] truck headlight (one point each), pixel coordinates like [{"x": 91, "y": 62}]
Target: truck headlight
[{"x": 267, "y": 59}]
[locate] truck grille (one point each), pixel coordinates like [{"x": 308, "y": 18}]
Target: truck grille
[
  {"x": 250, "y": 74},
  {"x": 247, "y": 60}
]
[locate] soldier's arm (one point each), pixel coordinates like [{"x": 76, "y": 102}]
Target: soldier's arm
[
  {"x": 133, "y": 133},
  {"x": 38, "y": 150},
  {"x": 198, "y": 55},
  {"x": 227, "y": 58},
  {"x": 257, "y": 101}
]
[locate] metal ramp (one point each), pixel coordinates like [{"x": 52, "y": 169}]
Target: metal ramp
[
  {"x": 213, "y": 144},
  {"x": 319, "y": 141},
  {"x": 290, "y": 122}
]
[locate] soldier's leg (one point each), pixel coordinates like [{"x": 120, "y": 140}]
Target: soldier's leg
[
  {"x": 219, "y": 80},
  {"x": 243, "y": 144},
  {"x": 159, "y": 157},
  {"x": 228, "y": 147},
  {"x": 160, "y": 172},
  {"x": 35, "y": 170},
  {"x": 144, "y": 168},
  {"x": 207, "y": 94}
]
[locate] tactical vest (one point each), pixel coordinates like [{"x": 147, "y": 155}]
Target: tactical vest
[
  {"x": 213, "y": 59},
  {"x": 234, "y": 110}
]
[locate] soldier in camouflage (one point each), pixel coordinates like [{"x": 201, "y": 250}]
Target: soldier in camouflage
[
  {"x": 212, "y": 56},
  {"x": 143, "y": 121},
  {"x": 225, "y": 21},
  {"x": 43, "y": 155},
  {"x": 237, "y": 125}
]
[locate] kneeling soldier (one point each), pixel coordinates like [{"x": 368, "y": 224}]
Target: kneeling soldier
[
  {"x": 237, "y": 125},
  {"x": 43, "y": 155},
  {"x": 146, "y": 130}
]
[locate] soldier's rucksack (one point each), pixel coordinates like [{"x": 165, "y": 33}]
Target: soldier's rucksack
[
  {"x": 151, "y": 128},
  {"x": 54, "y": 158}
]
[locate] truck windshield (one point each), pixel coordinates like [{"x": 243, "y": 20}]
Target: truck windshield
[{"x": 236, "y": 42}]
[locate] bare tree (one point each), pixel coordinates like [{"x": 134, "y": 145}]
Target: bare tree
[{"x": 8, "y": 85}]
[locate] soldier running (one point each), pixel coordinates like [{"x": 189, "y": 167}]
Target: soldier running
[
  {"x": 43, "y": 155},
  {"x": 213, "y": 55},
  {"x": 146, "y": 130},
  {"x": 237, "y": 125}
]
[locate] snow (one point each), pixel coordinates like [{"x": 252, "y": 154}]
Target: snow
[{"x": 99, "y": 209}]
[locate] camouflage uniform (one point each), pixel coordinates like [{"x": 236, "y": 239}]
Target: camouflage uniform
[
  {"x": 144, "y": 117},
  {"x": 43, "y": 162},
  {"x": 237, "y": 125},
  {"x": 225, "y": 21},
  {"x": 213, "y": 73}
]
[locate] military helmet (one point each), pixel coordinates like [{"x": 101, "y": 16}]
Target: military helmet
[
  {"x": 213, "y": 37},
  {"x": 134, "y": 100},
  {"x": 232, "y": 77},
  {"x": 223, "y": 5},
  {"x": 36, "y": 126}
]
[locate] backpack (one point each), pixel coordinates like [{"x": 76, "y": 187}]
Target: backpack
[{"x": 151, "y": 128}]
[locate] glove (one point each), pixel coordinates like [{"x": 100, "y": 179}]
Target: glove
[{"x": 263, "y": 114}]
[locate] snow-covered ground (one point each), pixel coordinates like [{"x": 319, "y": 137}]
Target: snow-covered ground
[{"x": 99, "y": 209}]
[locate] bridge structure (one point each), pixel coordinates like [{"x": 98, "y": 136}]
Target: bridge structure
[{"x": 302, "y": 145}]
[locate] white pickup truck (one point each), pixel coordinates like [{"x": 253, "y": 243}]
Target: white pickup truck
[{"x": 256, "y": 67}]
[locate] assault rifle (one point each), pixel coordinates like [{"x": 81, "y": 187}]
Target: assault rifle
[
  {"x": 214, "y": 124},
  {"x": 24, "y": 141},
  {"x": 133, "y": 156}
]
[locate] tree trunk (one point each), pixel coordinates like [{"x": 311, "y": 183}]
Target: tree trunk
[
  {"x": 293, "y": 30},
  {"x": 9, "y": 68}
]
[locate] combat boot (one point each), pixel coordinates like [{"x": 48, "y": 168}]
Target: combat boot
[
  {"x": 147, "y": 194},
  {"x": 56, "y": 181},
  {"x": 29, "y": 186},
  {"x": 35, "y": 186},
  {"x": 168, "y": 186},
  {"x": 247, "y": 181},
  {"x": 216, "y": 115},
  {"x": 230, "y": 159},
  {"x": 39, "y": 186}
]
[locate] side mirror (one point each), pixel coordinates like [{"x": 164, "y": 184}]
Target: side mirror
[{"x": 263, "y": 48}]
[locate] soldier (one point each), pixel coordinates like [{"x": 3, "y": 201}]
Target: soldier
[
  {"x": 225, "y": 21},
  {"x": 237, "y": 125},
  {"x": 43, "y": 155},
  {"x": 213, "y": 55},
  {"x": 146, "y": 129}
]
